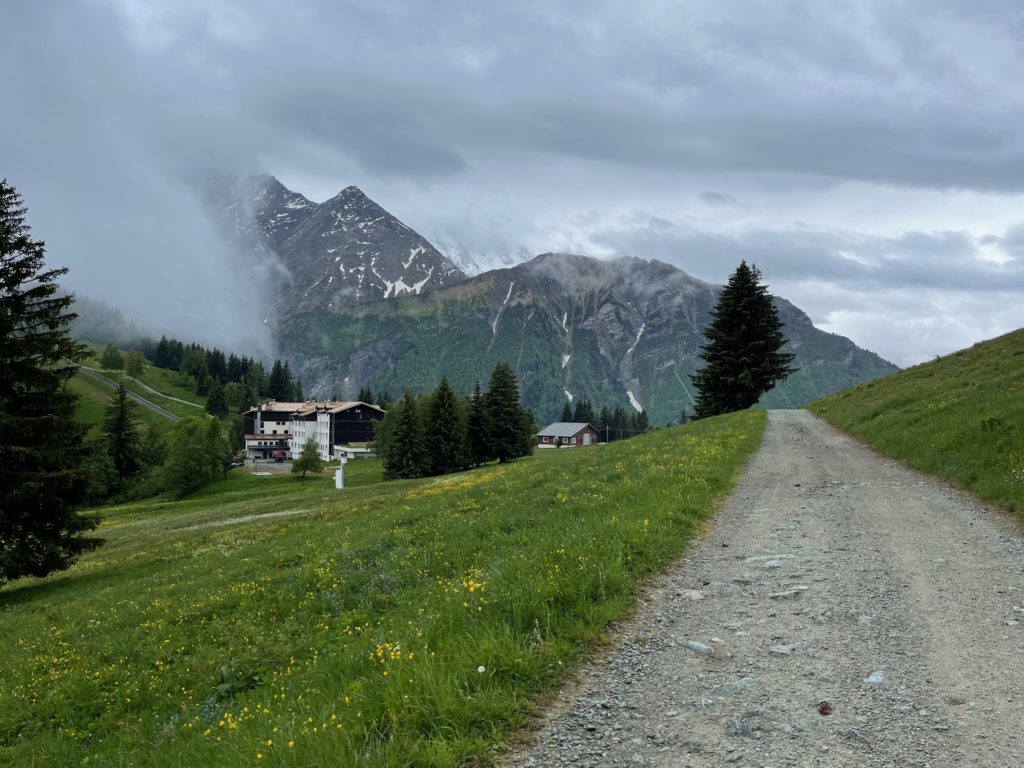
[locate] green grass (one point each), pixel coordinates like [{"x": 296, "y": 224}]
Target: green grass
[
  {"x": 93, "y": 399},
  {"x": 391, "y": 624},
  {"x": 960, "y": 417}
]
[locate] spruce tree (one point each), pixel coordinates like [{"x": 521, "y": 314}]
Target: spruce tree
[
  {"x": 406, "y": 454},
  {"x": 509, "y": 427},
  {"x": 41, "y": 441},
  {"x": 365, "y": 396},
  {"x": 566, "y": 412},
  {"x": 446, "y": 423},
  {"x": 478, "y": 442},
  {"x": 216, "y": 402},
  {"x": 741, "y": 359},
  {"x": 122, "y": 435},
  {"x": 279, "y": 385}
]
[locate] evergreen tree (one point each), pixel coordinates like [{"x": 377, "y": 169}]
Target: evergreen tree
[
  {"x": 365, "y": 396},
  {"x": 279, "y": 387},
  {"x": 216, "y": 402},
  {"x": 604, "y": 421},
  {"x": 41, "y": 441},
  {"x": 122, "y": 435},
  {"x": 509, "y": 427},
  {"x": 642, "y": 422},
  {"x": 742, "y": 358},
  {"x": 477, "y": 432},
  {"x": 111, "y": 359},
  {"x": 299, "y": 395},
  {"x": 154, "y": 447},
  {"x": 216, "y": 449},
  {"x": 309, "y": 460},
  {"x": 406, "y": 452},
  {"x": 566, "y": 412},
  {"x": 290, "y": 389},
  {"x": 583, "y": 412},
  {"x": 385, "y": 400},
  {"x": 446, "y": 423}
]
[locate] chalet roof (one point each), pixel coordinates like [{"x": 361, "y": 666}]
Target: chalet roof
[
  {"x": 311, "y": 406},
  {"x": 564, "y": 429}
]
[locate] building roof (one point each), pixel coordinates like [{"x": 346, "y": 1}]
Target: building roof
[
  {"x": 311, "y": 406},
  {"x": 564, "y": 429}
]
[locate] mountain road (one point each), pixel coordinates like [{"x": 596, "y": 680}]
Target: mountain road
[{"x": 842, "y": 610}]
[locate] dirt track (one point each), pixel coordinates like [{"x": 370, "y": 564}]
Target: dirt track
[{"x": 829, "y": 564}]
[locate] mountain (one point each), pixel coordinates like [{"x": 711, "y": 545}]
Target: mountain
[
  {"x": 625, "y": 332},
  {"x": 344, "y": 251}
]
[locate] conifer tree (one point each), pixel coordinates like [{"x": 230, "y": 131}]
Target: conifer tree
[
  {"x": 41, "y": 442},
  {"x": 566, "y": 412},
  {"x": 365, "y": 395},
  {"x": 122, "y": 435},
  {"x": 216, "y": 402},
  {"x": 477, "y": 432},
  {"x": 406, "y": 454},
  {"x": 509, "y": 426},
  {"x": 279, "y": 386},
  {"x": 447, "y": 425},
  {"x": 742, "y": 358}
]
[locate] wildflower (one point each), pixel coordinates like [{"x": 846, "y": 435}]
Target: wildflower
[{"x": 481, "y": 669}]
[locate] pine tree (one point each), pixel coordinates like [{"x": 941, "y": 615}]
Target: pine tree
[
  {"x": 566, "y": 412},
  {"x": 279, "y": 387},
  {"x": 385, "y": 401},
  {"x": 406, "y": 453},
  {"x": 41, "y": 442},
  {"x": 477, "y": 439},
  {"x": 309, "y": 460},
  {"x": 122, "y": 435},
  {"x": 742, "y": 358},
  {"x": 365, "y": 395},
  {"x": 643, "y": 423},
  {"x": 216, "y": 402},
  {"x": 509, "y": 427},
  {"x": 446, "y": 423},
  {"x": 583, "y": 412}
]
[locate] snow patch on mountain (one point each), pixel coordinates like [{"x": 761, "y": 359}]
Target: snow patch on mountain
[{"x": 633, "y": 401}]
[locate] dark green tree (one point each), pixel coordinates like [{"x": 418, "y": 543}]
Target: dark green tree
[
  {"x": 643, "y": 423},
  {"x": 384, "y": 400},
  {"x": 122, "y": 435},
  {"x": 583, "y": 411},
  {"x": 406, "y": 449},
  {"x": 134, "y": 364},
  {"x": 309, "y": 460},
  {"x": 279, "y": 384},
  {"x": 566, "y": 412},
  {"x": 154, "y": 447},
  {"x": 216, "y": 402},
  {"x": 197, "y": 453},
  {"x": 477, "y": 432},
  {"x": 741, "y": 359},
  {"x": 509, "y": 426},
  {"x": 41, "y": 441},
  {"x": 111, "y": 358},
  {"x": 365, "y": 396},
  {"x": 446, "y": 424}
]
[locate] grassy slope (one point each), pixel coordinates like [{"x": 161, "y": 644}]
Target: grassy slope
[
  {"x": 93, "y": 399},
  {"x": 170, "y": 383},
  {"x": 403, "y": 623},
  {"x": 959, "y": 417}
]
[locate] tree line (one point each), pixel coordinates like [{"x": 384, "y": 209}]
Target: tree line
[
  {"x": 612, "y": 424},
  {"x": 441, "y": 432}
]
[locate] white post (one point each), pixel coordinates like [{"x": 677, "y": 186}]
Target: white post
[{"x": 339, "y": 474}]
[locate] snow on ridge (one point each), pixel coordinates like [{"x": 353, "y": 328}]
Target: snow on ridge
[
  {"x": 565, "y": 319},
  {"x": 417, "y": 287},
  {"x": 633, "y": 401},
  {"x": 413, "y": 253},
  {"x": 565, "y": 360},
  {"x": 568, "y": 394}
]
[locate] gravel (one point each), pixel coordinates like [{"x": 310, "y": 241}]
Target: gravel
[{"x": 859, "y": 614}]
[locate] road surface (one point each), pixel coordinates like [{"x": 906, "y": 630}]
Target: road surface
[{"x": 843, "y": 611}]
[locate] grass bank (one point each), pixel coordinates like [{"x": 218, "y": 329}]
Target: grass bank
[
  {"x": 392, "y": 624},
  {"x": 959, "y": 417}
]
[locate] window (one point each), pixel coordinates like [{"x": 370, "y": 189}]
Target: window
[
  {"x": 574, "y": 441},
  {"x": 545, "y": 439}
]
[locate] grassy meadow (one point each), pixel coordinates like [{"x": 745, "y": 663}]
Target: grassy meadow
[
  {"x": 960, "y": 417},
  {"x": 93, "y": 399},
  {"x": 271, "y": 621}
]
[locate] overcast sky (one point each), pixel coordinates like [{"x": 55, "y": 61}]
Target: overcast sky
[{"x": 869, "y": 158}]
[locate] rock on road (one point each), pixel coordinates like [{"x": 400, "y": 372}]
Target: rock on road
[{"x": 835, "y": 575}]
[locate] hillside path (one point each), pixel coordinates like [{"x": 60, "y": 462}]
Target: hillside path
[
  {"x": 829, "y": 563},
  {"x": 96, "y": 375}
]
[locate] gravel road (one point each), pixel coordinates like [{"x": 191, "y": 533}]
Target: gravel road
[{"x": 832, "y": 575}]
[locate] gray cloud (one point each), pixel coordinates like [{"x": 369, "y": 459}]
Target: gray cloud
[{"x": 518, "y": 127}]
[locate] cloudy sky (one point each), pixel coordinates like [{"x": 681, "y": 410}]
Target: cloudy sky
[{"x": 869, "y": 157}]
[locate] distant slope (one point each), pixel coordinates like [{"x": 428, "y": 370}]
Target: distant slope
[
  {"x": 960, "y": 417},
  {"x": 93, "y": 399},
  {"x": 620, "y": 332}
]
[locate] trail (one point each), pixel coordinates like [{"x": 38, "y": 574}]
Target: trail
[
  {"x": 829, "y": 568},
  {"x": 94, "y": 374}
]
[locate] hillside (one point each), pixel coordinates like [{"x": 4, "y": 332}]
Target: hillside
[
  {"x": 403, "y": 623},
  {"x": 623, "y": 332},
  {"x": 958, "y": 417}
]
